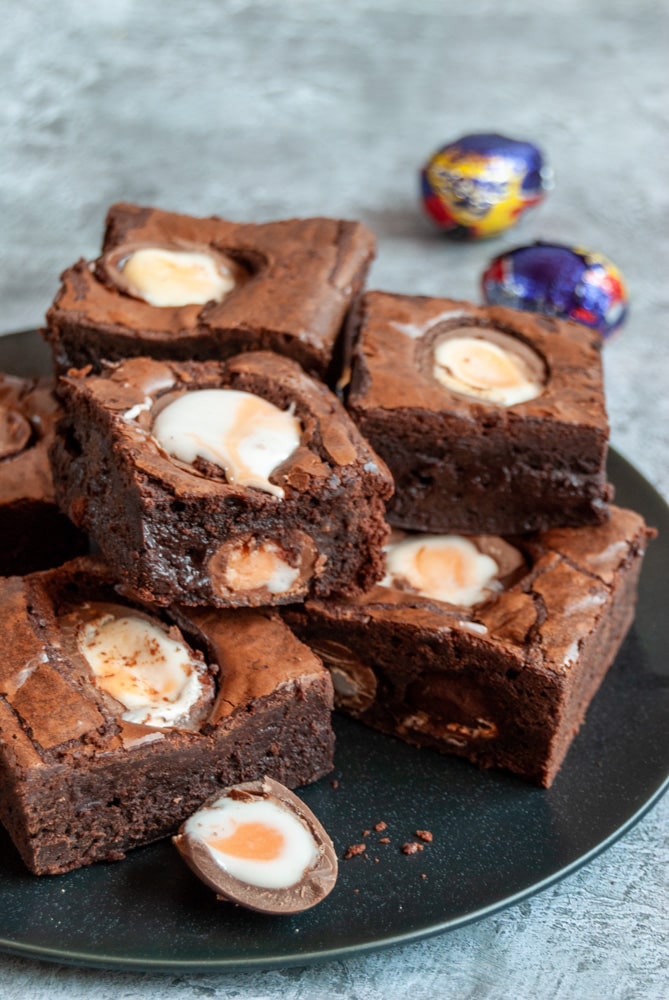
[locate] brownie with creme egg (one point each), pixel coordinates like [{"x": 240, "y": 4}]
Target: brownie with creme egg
[
  {"x": 118, "y": 720},
  {"x": 486, "y": 647},
  {"x": 168, "y": 285},
  {"x": 491, "y": 420},
  {"x": 234, "y": 483}
]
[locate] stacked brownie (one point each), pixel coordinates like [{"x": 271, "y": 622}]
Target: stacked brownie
[
  {"x": 227, "y": 491},
  {"x": 507, "y": 441},
  {"x": 216, "y": 477},
  {"x": 511, "y": 581}
]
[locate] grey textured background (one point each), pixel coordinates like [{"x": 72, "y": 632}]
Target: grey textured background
[{"x": 259, "y": 110}]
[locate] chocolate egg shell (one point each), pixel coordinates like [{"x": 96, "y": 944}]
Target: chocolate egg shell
[
  {"x": 312, "y": 885},
  {"x": 481, "y": 184},
  {"x": 563, "y": 281}
]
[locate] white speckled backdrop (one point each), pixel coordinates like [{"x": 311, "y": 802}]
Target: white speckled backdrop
[{"x": 259, "y": 110}]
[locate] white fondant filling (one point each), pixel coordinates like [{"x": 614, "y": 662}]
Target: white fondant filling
[
  {"x": 482, "y": 369},
  {"x": 153, "y": 676},
  {"x": 245, "y": 435},
  {"x": 217, "y": 822},
  {"x": 445, "y": 567},
  {"x": 138, "y": 408},
  {"x": 172, "y": 278}
]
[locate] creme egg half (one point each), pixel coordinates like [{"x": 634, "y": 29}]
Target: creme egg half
[
  {"x": 258, "y": 842},
  {"x": 155, "y": 677},
  {"x": 485, "y": 370},
  {"x": 447, "y": 568},
  {"x": 175, "y": 278},
  {"x": 259, "y": 845}
]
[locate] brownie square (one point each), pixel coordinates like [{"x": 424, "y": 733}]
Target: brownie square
[
  {"x": 34, "y": 534},
  {"x": 505, "y": 682},
  {"x": 179, "y": 531},
  {"x": 79, "y": 782},
  {"x": 467, "y": 464},
  {"x": 294, "y": 282}
]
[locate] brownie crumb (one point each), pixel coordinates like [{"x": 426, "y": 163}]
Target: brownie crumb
[
  {"x": 380, "y": 826},
  {"x": 366, "y": 833},
  {"x": 353, "y": 850},
  {"x": 425, "y": 835},
  {"x": 423, "y": 875},
  {"x": 384, "y": 840},
  {"x": 411, "y": 848},
  {"x": 334, "y": 783}
]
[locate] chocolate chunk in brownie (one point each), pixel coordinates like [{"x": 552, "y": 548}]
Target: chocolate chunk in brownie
[
  {"x": 505, "y": 676},
  {"x": 490, "y": 420},
  {"x": 34, "y": 534},
  {"x": 230, "y": 483},
  {"x": 173, "y": 286},
  {"x": 118, "y": 720}
]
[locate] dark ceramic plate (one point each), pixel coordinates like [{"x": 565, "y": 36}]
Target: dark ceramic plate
[{"x": 496, "y": 840}]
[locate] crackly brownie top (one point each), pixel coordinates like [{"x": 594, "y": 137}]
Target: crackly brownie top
[
  {"x": 89, "y": 669},
  {"x": 163, "y": 273},
  {"x": 205, "y": 427},
  {"x": 538, "y": 596},
  {"x": 475, "y": 362},
  {"x": 28, "y": 410}
]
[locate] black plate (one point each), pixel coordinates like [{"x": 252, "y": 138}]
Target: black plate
[{"x": 496, "y": 840}]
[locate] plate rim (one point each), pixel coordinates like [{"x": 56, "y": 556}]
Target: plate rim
[{"x": 113, "y": 963}]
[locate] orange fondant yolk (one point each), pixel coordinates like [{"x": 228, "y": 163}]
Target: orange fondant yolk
[
  {"x": 444, "y": 565},
  {"x": 254, "y": 841},
  {"x": 247, "y": 570},
  {"x": 486, "y": 367}
]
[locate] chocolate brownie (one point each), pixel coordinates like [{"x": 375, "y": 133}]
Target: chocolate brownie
[
  {"x": 504, "y": 680},
  {"x": 173, "y": 286},
  {"x": 490, "y": 420},
  {"x": 195, "y": 525},
  {"x": 34, "y": 534},
  {"x": 94, "y": 760}
]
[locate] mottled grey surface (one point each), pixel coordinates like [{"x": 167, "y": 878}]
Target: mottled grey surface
[{"x": 258, "y": 110}]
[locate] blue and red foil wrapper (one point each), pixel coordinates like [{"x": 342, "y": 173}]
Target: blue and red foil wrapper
[{"x": 567, "y": 282}]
